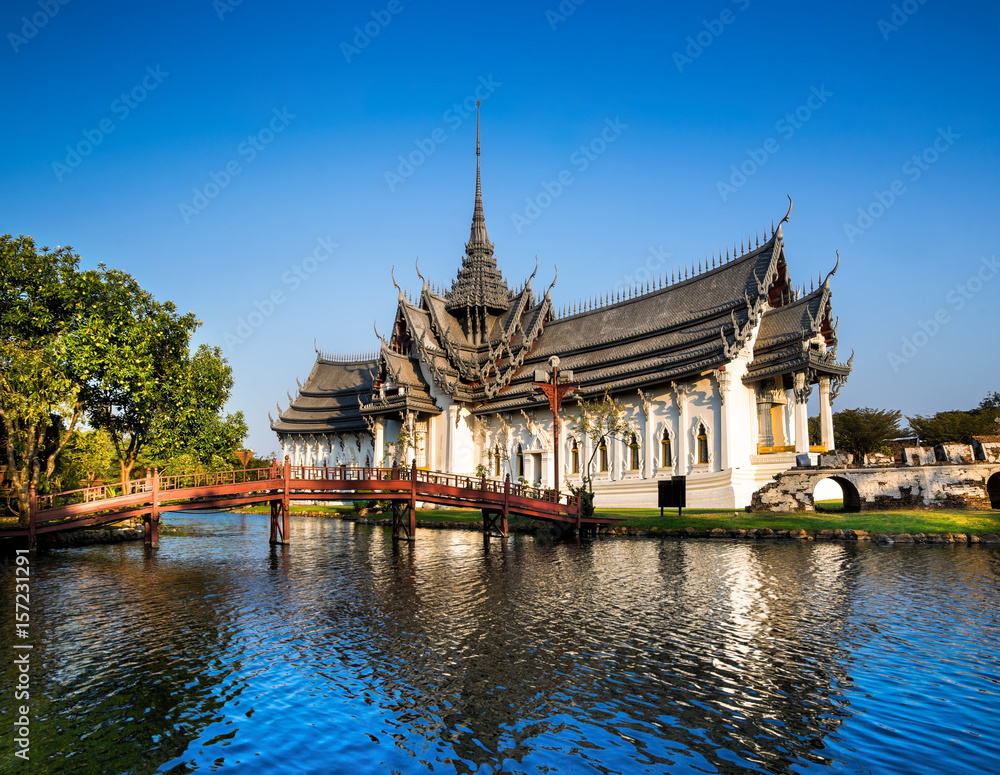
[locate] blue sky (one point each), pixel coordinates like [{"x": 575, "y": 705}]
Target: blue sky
[{"x": 249, "y": 162}]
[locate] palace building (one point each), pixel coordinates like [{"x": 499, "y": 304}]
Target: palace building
[{"x": 714, "y": 370}]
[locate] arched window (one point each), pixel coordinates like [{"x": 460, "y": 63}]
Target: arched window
[
  {"x": 666, "y": 459},
  {"x": 496, "y": 460},
  {"x": 702, "y": 444},
  {"x": 575, "y": 450},
  {"x": 520, "y": 461},
  {"x": 633, "y": 453},
  {"x": 604, "y": 455}
]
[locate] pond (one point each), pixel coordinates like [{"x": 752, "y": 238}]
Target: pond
[{"x": 347, "y": 652}]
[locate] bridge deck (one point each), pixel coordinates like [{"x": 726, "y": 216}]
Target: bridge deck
[{"x": 281, "y": 484}]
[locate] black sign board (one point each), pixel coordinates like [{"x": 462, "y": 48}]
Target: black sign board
[{"x": 672, "y": 493}]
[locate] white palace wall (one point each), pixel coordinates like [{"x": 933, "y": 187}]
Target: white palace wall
[{"x": 456, "y": 441}]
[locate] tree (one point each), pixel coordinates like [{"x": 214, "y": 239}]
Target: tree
[
  {"x": 129, "y": 351},
  {"x": 958, "y": 426},
  {"x": 815, "y": 432},
  {"x": 88, "y": 455},
  {"x": 865, "y": 431},
  {"x": 599, "y": 420},
  {"x": 94, "y": 344},
  {"x": 196, "y": 429},
  {"x": 40, "y": 402}
]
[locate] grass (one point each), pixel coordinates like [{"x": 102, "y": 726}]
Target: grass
[{"x": 830, "y": 517}]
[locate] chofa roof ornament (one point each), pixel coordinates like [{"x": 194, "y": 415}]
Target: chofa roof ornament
[
  {"x": 834, "y": 270},
  {"x": 787, "y": 216},
  {"x": 553, "y": 285}
]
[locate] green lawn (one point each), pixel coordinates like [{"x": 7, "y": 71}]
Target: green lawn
[{"x": 911, "y": 521}]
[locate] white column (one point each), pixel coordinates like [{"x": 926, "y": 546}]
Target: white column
[
  {"x": 548, "y": 468},
  {"x": 801, "y": 394},
  {"x": 379, "y": 442},
  {"x": 648, "y": 446},
  {"x": 683, "y": 453},
  {"x": 449, "y": 437},
  {"x": 725, "y": 394},
  {"x": 825, "y": 414}
]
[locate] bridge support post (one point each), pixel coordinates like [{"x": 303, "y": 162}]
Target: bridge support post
[
  {"x": 413, "y": 501},
  {"x": 506, "y": 504},
  {"x": 151, "y": 522},
  {"x": 496, "y": 520},
  {"x": 275, "y": 526},
  {"x": 405, "y": 525},
  {"x": 32, "y": 515},
  {"x": 285, "y": 501}
]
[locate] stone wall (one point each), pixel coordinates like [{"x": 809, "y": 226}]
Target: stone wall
[{"x": 942, "y": 485}]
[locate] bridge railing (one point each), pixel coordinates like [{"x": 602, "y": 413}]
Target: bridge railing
[
  {"x": 347, "y": 473},
  {"x": 216, "y": 478},
  {"x": 339, "y": 473},
  {"x": 97, "y": 492}
]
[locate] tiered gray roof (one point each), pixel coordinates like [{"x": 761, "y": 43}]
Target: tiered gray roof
[
  {"x": 480, "y": 343},
  {"x": 329, "y": 401}
]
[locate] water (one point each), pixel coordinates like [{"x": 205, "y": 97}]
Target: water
[{"x": 345, "y": 652}]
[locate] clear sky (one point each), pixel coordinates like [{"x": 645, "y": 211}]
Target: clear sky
[{"x": 269, "y": 162}]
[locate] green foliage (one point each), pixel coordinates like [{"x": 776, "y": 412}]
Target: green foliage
[
  {"x": 406, "y": 439},
  {"x": 197, "y": 390},
  {"x": 599, "y": 420},
  {"x": 959, "y": 426},
  {"x": 94, "y": 344},
  {"x": 865, "y": 431},
  {"x": 815, "y": 432},
  {"x": 129, "y": 351},
  {"x": 587, "y": 500},
  {"x": 40, "y": 399},
  {"x": 88, "y": 455}
]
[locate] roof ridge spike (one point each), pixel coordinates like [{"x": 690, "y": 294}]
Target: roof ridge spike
[
  {"x": 756, "y": 237},
  {"x": 772, "y": 227}
]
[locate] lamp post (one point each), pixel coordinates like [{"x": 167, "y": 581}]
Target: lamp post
[
  {"x": 555, "y": 391},
  {"x": 244, "y": 455}
]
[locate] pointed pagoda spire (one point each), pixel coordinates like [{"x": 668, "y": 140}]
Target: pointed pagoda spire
[
  {"x": 479, "y": 285},
  {"x": 478, "y": 238}
]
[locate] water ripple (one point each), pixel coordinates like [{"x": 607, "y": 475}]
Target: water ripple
[{"x": 347, "y": 652}]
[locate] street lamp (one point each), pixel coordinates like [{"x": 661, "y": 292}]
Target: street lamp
[
  {"x": 555, "y": 386},
  {"x": 244, "y": 455}
]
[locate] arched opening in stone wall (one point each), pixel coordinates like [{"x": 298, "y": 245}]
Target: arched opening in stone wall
[
  {"x": 993, "y": 489},
  {"x": 836, "y": 493}
]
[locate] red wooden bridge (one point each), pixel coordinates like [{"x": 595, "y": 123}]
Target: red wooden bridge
[{"x": 282, "y": 483}]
